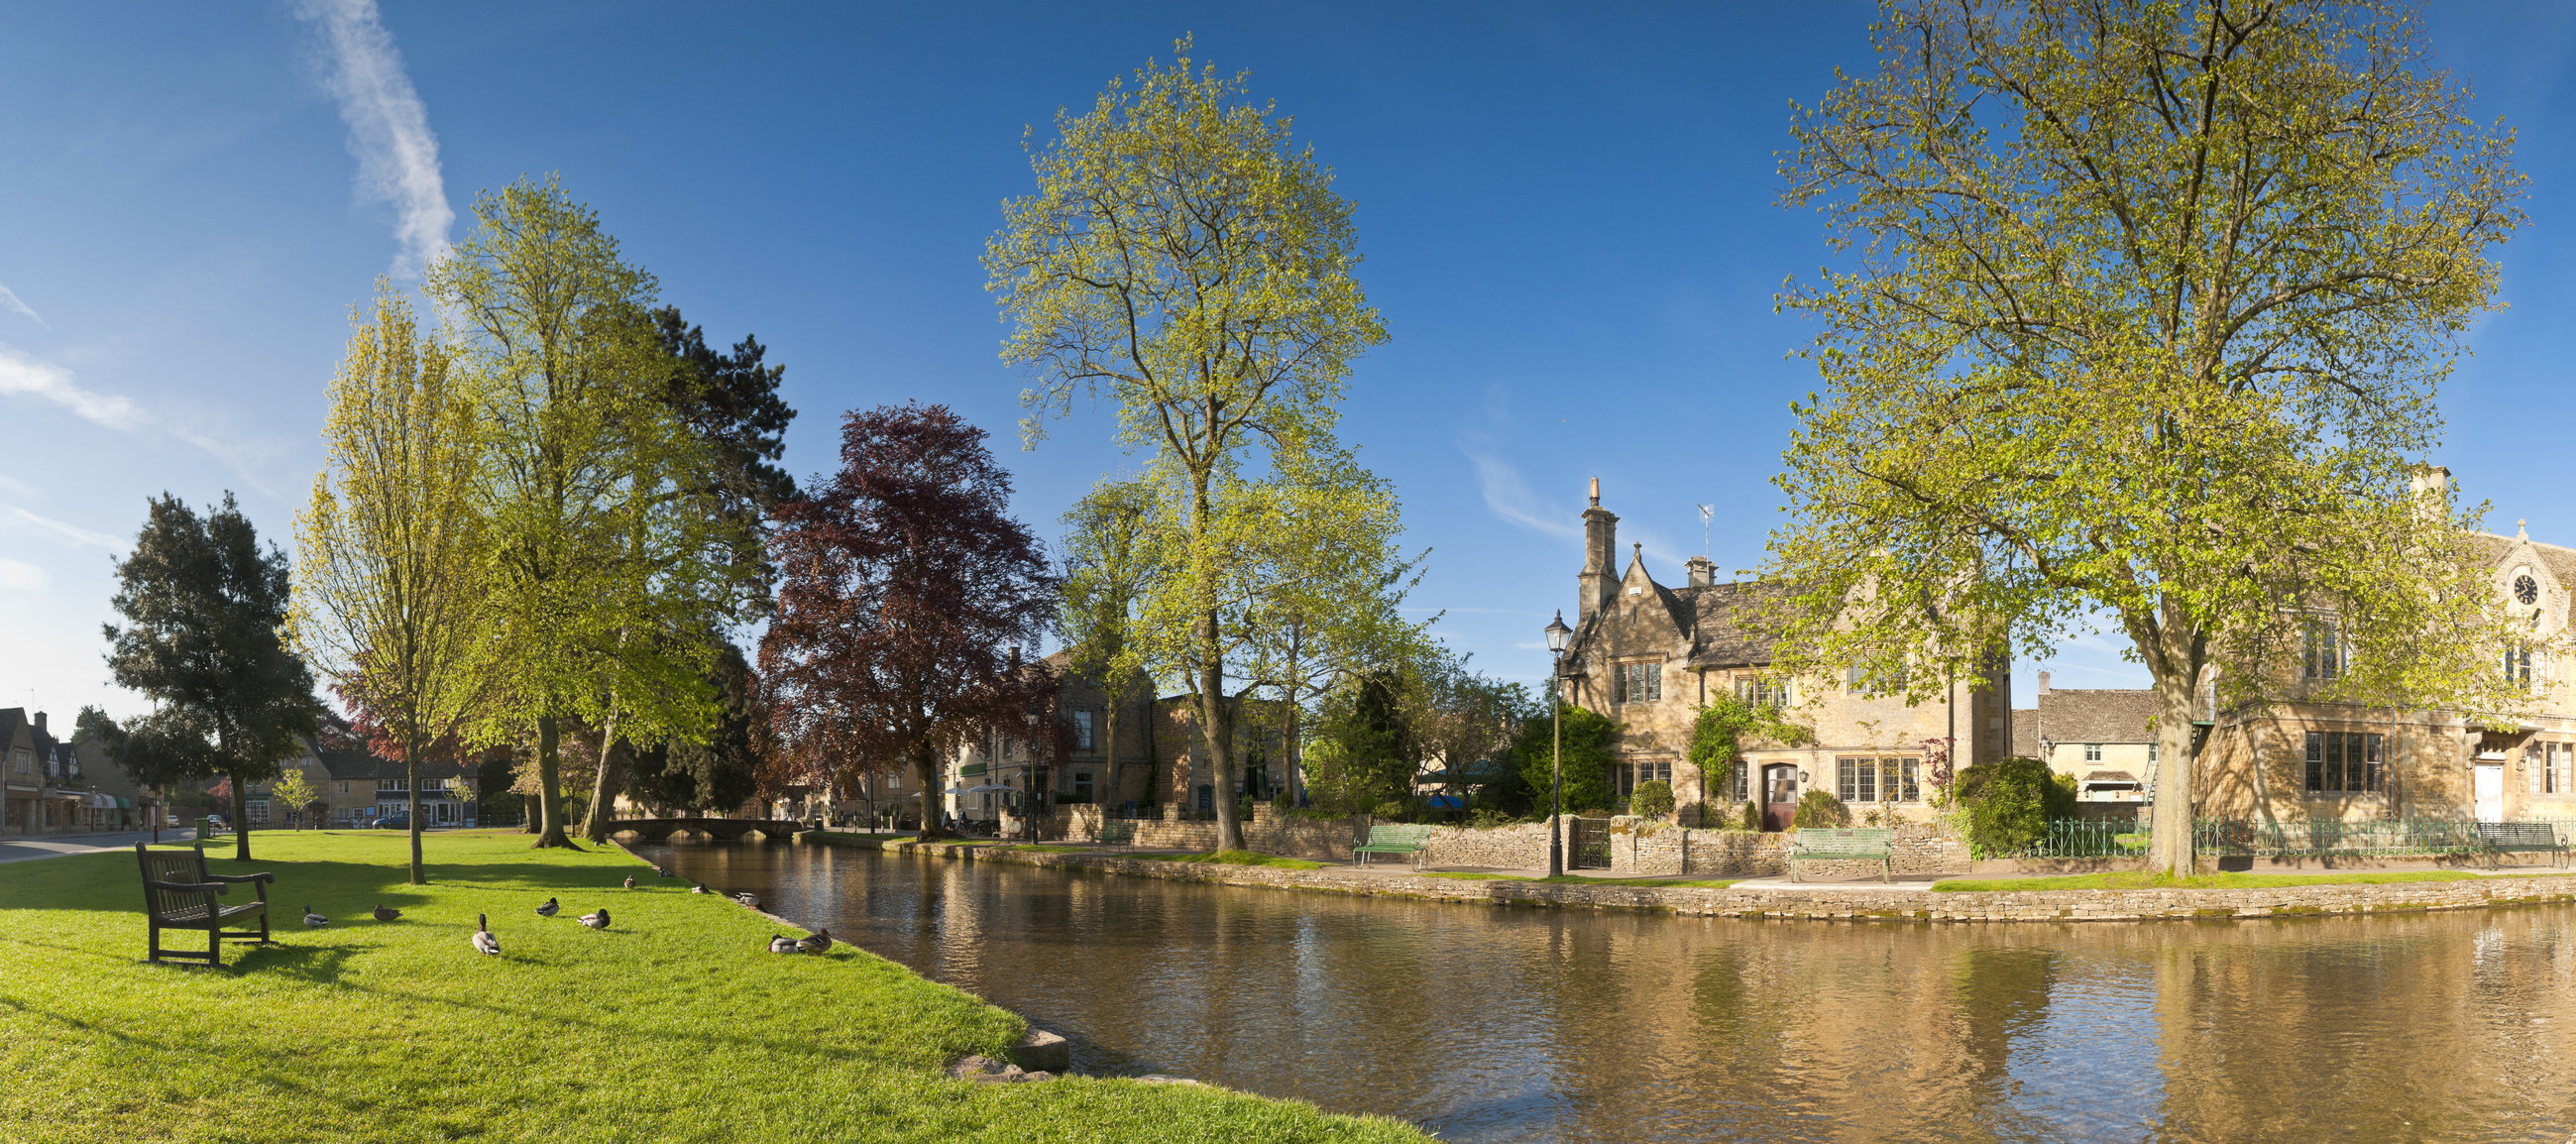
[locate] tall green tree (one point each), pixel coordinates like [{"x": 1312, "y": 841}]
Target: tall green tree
[
  {"x": 203, "y": 638},
  {"x": 1112, "y": 564},
  {"x": 2139, "y": 313},
  {"x": 718, "y": 775},
  {"x": 609, "y": 558},
  {"x": 1589, "y": 737},
  {"x": 389, "y": 596},
  {"x": 1183, "y": 256}
]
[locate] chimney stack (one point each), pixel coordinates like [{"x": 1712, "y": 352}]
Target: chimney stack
[
  {"x": 1600, "y": 576},
  {"x": 40, "y": 722},
  {"x": 1703, "y": 571},
  {"x": 2043, "y": 683}
]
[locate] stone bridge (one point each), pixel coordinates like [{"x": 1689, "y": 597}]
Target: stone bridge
[{"x": 726, "y": 829}]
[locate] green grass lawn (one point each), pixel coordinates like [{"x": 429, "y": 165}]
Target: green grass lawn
[
  {"x": 2222, "y": 881},
  {"x": 1237, "y": 858},
  {"x": 675, "y": 1024}
]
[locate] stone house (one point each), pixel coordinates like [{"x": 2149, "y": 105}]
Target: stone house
[
  {"x": 2101, "y": 738},
  {"x": 1649, "y": 656},
  {"x": 1149, "y": 765},
  {"x": 357, "y": 787},
  {"x": 47, "y": 787},
  {"x": 2297, "y": 758}
]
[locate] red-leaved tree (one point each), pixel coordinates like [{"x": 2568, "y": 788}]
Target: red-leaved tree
[{"x": 907, "y": 596}]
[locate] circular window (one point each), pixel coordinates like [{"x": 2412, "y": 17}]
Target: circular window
[{"x": 2526, "y": 589}]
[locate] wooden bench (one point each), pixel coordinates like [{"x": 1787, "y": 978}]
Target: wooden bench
[
  {"x": 1394, "y": 838},
  {"x": 178, "y": 893},
  {"x": 1115, "y": 834},
  {"x": 2522, "y": 838},
  {"x": 1859, "y": 843}
]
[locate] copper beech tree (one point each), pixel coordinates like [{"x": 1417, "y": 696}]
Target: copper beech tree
[{"x": 907, "y": 596}]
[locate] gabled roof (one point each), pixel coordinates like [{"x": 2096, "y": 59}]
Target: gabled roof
[
  {"x": 2103, "y": 715},
  {"x": 349, "y": 766}
]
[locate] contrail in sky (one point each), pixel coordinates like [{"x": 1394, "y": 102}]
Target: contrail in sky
[
  {"x": 388, "y": 128},
  {"x": 11, "y": 300}
]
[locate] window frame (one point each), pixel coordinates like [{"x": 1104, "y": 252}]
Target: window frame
[{"x": 2342, "y": 764}]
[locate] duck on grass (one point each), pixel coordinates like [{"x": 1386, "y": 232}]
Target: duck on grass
[{"x": 651, "y": 1030}]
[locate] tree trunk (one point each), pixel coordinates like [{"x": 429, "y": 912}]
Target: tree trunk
[
  {"x": 1218, "y": 721},
  {"x": 1288, "y": 755},
  {"x": 1110, "y": 728},
  {"x": 549, "y": 799},
  {"x": 411, "y": 773},
  {"x": 241, "y": 818},
  {"x": 924, "y": 768},
  {"x": 2171, "y": 838},
  {"x": 603, "y": 786}
]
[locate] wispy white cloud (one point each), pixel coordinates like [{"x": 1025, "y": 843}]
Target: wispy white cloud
[
  {"x": 24, "y": 376},
  {"x": 15, "y": 519},
  {"x": 11, "y": 301},
  {"x": 1508, "y": 496},
  {"x": 388, "y": 127},
  {"x": 18, "y": 576}
]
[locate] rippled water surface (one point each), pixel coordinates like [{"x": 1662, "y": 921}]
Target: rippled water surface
[{"x": 1521, "y": 1024}]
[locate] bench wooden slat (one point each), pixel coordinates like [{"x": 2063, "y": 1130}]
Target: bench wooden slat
[
  {"x": 1394, "y": 838},
  {"x": 179, "y": 893},
  {"x": 1844, "y": 843}
]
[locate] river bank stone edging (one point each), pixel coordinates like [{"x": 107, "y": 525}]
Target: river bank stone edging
[{"x": 1844, "y": 902}]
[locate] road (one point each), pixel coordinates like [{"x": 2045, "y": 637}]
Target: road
[{"x": 28, "y": 849}]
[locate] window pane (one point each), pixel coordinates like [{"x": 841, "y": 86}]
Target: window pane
[
  {"x": 2376, "y": 763},
  {"x": 1849, "y": 772},
  {"x": 2316, "y": 762}
]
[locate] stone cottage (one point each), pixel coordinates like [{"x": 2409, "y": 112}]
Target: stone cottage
[{"x": 1650, "y": 656}]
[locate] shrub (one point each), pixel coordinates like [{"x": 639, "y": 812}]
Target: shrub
[
  {"x": 1819, "y": 808},
  {"x": 1488, "y": 818},
  {"x": 1392, "y": 810},
  {"x": 1651, "y": 799},
  {"x": 1752, "y": 816},
  {"x": 2009, "y": 803}
]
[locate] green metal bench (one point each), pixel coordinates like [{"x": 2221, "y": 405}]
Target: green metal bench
[
  {"x": 2522, "y": 838},
  {"x": 1115, "y": 834},
  {"x": 1394, "y": 838},
  {"x": 1859, "y": 844}
]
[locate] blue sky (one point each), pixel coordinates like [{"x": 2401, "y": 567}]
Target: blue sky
[{"x": 1568, "y": 217}]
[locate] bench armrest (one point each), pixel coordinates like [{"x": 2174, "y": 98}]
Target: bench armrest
[{"x": 241, "y": 877}]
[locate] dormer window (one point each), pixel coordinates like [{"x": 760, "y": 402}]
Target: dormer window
[{"x": 2324, "y": 657}]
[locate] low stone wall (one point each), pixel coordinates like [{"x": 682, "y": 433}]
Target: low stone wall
[
  {"x": 1643, "y": 849},
  {"x": 1845, "y": 902}
]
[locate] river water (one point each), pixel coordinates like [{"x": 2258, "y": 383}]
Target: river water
[{"x": 1491, "y": 1023}]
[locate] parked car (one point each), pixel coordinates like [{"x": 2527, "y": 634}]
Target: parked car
[{"x": 392, "y": 822}]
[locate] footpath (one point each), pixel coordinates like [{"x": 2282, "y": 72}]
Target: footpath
[{"x": 1780, "y": 899}]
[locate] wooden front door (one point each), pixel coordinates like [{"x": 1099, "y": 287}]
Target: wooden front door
[{"x": 1779, "y": 795}]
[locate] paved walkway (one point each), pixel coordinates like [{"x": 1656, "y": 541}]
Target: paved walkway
[{"x": 30, "y": 848}]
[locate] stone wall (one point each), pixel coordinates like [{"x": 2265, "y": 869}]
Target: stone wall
[
  {"x": 1843, "y": 903},
  {"x": 1640, "y": 848}
]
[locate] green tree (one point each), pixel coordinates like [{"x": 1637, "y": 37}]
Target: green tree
[
  {"x": 2140, "y": 314},
  {"x": 716, "y": 776},
  {"x": 205, "y": 616},
  {"x": 1111, "y": 567},
  {"x": 611, "y": 555},
  {"x": 2010, "y": 803},
  {"x": 389, "y": 595},
  {"x": 1588, "y": 758},
  {"x": 1180, "y": 254},
  {"x": 1374, "y": 742},
  {"x": 292, "y": 792}
]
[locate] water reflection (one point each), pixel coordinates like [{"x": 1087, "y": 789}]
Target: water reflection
[{"x": 1518, "y": 1024}]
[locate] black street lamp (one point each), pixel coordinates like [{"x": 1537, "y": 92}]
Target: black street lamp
[{"x": 1557, "y": 634}]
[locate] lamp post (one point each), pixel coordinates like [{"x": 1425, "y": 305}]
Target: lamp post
[{"x": 1557, "y": 634}]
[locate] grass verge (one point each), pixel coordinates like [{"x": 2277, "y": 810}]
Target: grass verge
[
  {"x": 674, "y": 1024},
  {"x": 1574, "y": 880},
  {"x": 2133, "y": 880},
  {"x": 1236, "y": 858}
]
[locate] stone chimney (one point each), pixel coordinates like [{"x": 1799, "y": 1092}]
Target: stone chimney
[
  {"x": 2043, "y": 683},
  {"x": 1703, "y": 571},
  {"x": 40, "y": 722},
  {"x": 1600, "y": 577}
]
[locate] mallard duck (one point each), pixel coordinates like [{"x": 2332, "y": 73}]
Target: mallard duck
[
  {"x": 314, "y": 920},
  {"x": 700, "y": 888},
  {"x": 782, "y": 944},
  {"x": 386, "y": 915},
  {"x": 748, "y": 899},
  {"x": 597, "y": 920},
  {"x": 484, "y": 942},
  {"x": 822, "y": 940},
  {"x": 549, "y": 909},
  {"x": 630, "y": 881},
  {"x": 664, "y": 873}
]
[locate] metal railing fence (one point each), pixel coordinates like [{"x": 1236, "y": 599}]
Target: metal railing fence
[{"x": 2393, "y": 837}]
